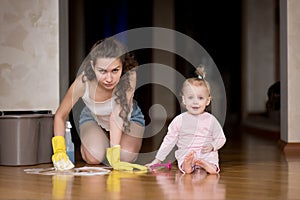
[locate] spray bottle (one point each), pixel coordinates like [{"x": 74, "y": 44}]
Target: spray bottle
[{"x": 69, "y": 143}]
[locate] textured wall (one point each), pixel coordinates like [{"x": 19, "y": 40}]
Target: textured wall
[
  {"x": 29, "y": 77},
  {"x": 293, "y": 70},
  {"x": 290, "y": 70},
  {"x": 259, "y": 51}
]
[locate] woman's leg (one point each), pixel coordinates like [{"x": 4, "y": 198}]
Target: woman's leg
[
  {"x": 131, "y": 142},
  {"x": 94, "y": 142}
]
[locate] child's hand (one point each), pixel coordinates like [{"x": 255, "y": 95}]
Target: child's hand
[
  {"x": 207, "y": 148},
  {"x": 155, "y": 161}
]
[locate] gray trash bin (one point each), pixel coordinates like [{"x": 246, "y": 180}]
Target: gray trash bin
[{"x": 25, "y": 137}]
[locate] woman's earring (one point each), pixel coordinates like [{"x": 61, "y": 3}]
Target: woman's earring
[{"x": 92, "y": 65}]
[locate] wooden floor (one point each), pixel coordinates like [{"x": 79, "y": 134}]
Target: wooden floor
[{"x": 252, "y": 168}]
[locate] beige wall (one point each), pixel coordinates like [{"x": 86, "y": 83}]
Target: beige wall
[
  {"x": 290, "y": 70},
  {"x": 29, "y": 55}
]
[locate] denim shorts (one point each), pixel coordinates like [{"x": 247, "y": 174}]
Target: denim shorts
[{"x": 136, "y": 115}]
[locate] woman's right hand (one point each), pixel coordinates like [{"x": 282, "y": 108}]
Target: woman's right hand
[{"x": 60, "y": 158}]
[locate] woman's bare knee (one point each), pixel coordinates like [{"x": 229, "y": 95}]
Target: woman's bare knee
[
  {"x": 127, "y": 156},
  {"x": 92, "y": 161},
  {"x": 89, "y": 158},
  {"x": 130, "y": 148},
  {"x": 94, "y": 142}
]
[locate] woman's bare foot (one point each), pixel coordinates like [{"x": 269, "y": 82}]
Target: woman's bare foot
[
  {"x": 187, "y": 164},
  {"x": 210, "y": 168}
]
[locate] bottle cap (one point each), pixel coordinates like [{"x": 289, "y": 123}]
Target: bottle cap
[{"x": 68, "y": 124}]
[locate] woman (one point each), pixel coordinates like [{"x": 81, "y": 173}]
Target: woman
[{"x": 110, "y": 116}]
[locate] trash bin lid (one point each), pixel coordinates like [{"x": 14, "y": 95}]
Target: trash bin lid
[{"x": 25, "y": 114}]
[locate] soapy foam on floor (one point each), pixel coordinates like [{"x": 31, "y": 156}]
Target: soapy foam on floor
[{"x": 81, "y": 171}]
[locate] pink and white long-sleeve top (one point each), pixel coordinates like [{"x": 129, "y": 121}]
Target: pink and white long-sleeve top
[{"x": 190, "y": 132}]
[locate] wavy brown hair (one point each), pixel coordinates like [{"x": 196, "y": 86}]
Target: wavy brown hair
[{"x": 111, "y": 48}]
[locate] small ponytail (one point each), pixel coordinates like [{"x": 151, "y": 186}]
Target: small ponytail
[{"x": 200, "y": 72}]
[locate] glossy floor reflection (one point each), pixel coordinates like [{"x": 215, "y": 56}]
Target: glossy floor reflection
[{"x": 252, "y": 167}]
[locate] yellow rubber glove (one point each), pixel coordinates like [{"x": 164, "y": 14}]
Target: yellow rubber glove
[
  {"x": 113, "y": 157},
  {"x": 60, "y": 158}
]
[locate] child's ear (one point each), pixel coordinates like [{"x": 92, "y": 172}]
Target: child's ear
[
  {"x": 183, "y": 100},
  {"x": 208, "y": 101}
]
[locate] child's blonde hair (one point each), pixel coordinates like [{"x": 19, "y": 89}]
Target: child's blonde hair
[{"x": 199, "y": 80}]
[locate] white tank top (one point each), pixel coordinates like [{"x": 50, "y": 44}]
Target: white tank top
[{"x": 101, "y": 111}]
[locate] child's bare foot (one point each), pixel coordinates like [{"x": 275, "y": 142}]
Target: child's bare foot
[
  {"x": 187, "y": 164},
  {"x": 210, "y": 168}
]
